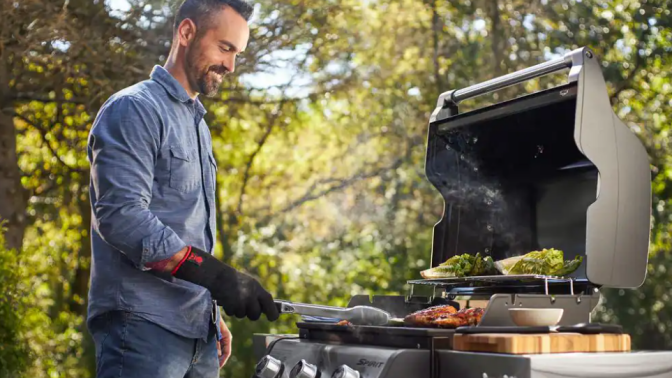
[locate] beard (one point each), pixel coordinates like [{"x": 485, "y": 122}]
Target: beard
[{"x": 203, "y": 78}]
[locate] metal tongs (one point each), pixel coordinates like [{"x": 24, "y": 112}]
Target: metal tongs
[{"x": 358, "y": 315}]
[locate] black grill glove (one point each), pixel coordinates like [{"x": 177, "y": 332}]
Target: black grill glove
[{"x": 239, "y": 294}]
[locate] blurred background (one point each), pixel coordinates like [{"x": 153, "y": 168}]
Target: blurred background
[{"x": 319, "y": 137}]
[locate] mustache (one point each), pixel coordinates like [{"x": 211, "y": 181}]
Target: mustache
[{"x": 221, "y": 70}]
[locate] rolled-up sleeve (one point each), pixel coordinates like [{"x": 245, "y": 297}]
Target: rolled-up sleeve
[{"x": 122, "y": 149}]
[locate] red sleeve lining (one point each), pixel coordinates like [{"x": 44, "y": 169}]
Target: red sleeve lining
[{"x": 186, "y": 256}]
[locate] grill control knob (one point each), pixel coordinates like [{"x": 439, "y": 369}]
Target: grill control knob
[
  {"x": 345, "y": 372},
  {"x": 268, "y": 367},
  {"x": 302, "y": 369}
]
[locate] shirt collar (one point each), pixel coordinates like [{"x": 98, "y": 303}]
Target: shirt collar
[{"x": 172, "y": 86}]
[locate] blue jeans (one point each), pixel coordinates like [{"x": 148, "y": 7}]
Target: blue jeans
[{"x": 128, "y": 346}]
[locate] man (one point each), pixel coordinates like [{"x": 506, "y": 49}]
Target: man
[{"x": 155, "y": 287}]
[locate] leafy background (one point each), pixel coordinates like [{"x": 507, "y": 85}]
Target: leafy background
[{"x": 319, "y": 139}]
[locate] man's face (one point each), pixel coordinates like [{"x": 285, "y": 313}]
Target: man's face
[{"x": 212, "y": 54}]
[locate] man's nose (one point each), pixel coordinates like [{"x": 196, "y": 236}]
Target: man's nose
[{"x": 230, "y": 63}]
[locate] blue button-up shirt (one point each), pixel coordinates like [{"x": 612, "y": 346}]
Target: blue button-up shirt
[{"x": 152, "y": 193}]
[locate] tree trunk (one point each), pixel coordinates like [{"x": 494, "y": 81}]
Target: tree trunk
[
  {"x": 80, "y": 286},
  {"x": 497, "y": 33},
  {"x": 225, "y": 224},
  {"x": 12, "y": 195},
  {"x": 437, "y": 27}
]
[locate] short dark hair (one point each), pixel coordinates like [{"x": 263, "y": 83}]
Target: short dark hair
[{"x": 200, "y": 10}]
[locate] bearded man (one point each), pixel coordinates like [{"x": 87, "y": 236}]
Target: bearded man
[{"x": 155, "y": 286}]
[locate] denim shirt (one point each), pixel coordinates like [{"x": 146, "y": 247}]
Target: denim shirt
[{"x": 152, "y": 193}]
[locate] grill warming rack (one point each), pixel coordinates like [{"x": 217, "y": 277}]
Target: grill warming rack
[{"x": 494, "y": 284}]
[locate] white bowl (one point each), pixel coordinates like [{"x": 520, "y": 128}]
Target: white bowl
[{"x": 536, "y": 317}]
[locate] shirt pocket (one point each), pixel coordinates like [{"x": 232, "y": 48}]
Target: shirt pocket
[{"x": 185, "y": 171}]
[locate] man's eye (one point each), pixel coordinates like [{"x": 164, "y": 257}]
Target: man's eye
[{"x": 224, "y": 49}]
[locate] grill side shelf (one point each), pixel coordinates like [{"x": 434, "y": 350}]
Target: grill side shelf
[{"x": 577, "y": 308}]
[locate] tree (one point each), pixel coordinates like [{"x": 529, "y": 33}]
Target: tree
[
  {"x": 55, "y": 74},
  {"x": 13, "y": 349},
  {"x": 319, "y": 139}
]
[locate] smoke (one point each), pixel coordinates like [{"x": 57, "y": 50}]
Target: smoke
[{"x": 495, "y": 215}]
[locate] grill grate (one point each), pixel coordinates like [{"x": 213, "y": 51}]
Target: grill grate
[
  {"x": 514, "y": 278},
  {"x": 495, "y": 284}
]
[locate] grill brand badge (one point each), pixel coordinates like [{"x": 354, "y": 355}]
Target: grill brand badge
[{"x": 370, "y": 363}]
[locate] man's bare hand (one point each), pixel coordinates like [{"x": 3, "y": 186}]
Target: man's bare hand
[{"x": 224, "y": 345}]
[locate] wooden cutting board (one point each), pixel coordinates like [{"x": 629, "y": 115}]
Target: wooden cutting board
[{"x": 513, "y": 343}]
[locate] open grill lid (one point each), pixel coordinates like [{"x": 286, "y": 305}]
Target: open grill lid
[{"x": 555, "y": 169}]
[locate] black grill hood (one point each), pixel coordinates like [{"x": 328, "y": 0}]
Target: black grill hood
[{"x": 554, "y": 169}]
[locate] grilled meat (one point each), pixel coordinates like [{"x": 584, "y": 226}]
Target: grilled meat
[
  {"x": 425, "y": 318},
  {"x": 444, "y": 317},
  {"x": 464, "y": 317},
  {"x": 344, "y": 323}
]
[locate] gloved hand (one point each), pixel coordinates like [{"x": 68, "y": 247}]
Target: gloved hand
[{"x": 238, "y": 293}]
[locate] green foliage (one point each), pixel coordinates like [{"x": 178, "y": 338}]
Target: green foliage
[
  {"x": 54, "y": 331},
  {"x": 13, "y": 349},
  {"x": 320, "y": 142},
  {"x": 645, "y": 313}
]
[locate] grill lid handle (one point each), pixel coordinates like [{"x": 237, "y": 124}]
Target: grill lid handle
[
  {"x": 451, "y": 98},
  {"x": 513, "y": 78}
]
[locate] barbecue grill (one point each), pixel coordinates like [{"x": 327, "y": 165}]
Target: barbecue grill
[{"x": 553, "y": 169}]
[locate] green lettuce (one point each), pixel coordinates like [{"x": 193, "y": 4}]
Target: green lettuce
[
  {"x": 569, "y": 266},
  {"x": 483, "y": 266},
  {"x": 549, "y": 262},
  {"x": 459, "y": 265},
  {"x": 462, "y": 266}
]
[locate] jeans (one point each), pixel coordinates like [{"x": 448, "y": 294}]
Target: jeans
[{"x": 127, "y": 346}]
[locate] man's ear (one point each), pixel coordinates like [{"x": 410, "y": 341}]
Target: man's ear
[{"x": 186, "y": 32}]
